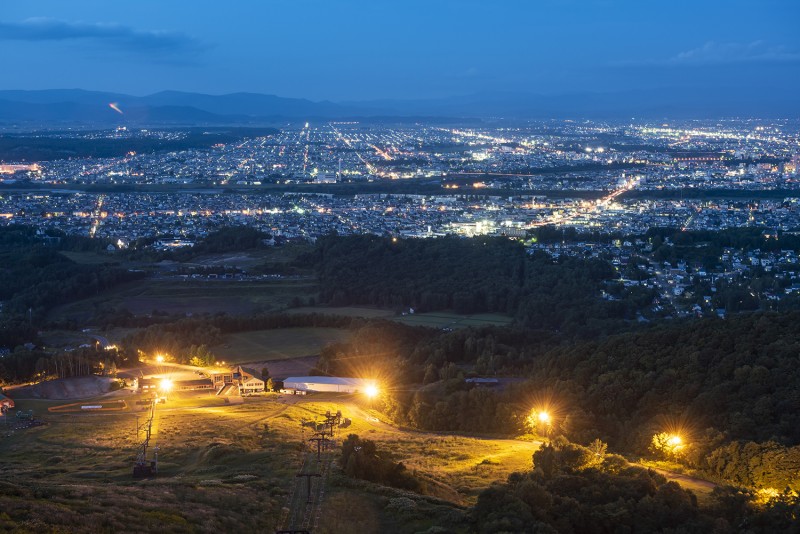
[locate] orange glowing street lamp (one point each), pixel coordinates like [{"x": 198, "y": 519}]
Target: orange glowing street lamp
[
  {"x": 166, "y": 385},
  {"x": 544, "y": 418},
  {"x": 540, "y": 421}
]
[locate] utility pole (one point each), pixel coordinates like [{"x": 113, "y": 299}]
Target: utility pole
[
  {"x": 308, "y": 483},
  {"x": 320, "y": 441}
]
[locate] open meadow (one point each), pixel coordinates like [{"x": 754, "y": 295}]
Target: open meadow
[
  {"x": 436, "y": 319},
  {"x": 448, "y": 320},
  {"x": 277, "y": 344},
  {"x": 345, "y": 311}
]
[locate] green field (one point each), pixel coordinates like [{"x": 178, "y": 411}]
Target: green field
[
  {"x": 344, "y": 311},
  {"x": 90, "y": 258},
  {"x": 439, "y": 319},
  {"x": 454, "y": 320},
  {"x": 277, "y": 344},
  {"x": 191, "y": 296}
]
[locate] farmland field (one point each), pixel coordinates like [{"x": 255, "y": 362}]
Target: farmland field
[
  {"x": 437, "y": 319},
  {"x": 191, "y": 296},
  {"x": 276, "y": 344},
  {"x": 454, "y": 320},
  {"x": 345, "y": 311}
]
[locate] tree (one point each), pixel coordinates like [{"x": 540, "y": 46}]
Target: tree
[
  {"x": 431, "y": 374},
  {"x": 200, "y": 356},
  {"x": 270, "y": 384}
]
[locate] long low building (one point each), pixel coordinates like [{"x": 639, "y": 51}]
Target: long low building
[
  {"x": 154, "y": 384},
  {"x": 328, "y": 383}
]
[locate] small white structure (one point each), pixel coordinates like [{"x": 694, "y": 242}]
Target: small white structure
[{"x": 328, "y": 383}]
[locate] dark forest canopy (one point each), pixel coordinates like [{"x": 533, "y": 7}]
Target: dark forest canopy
[
  {"x": 34, "y": 277},
  {"x": 469, "y": 276},
  {"x": 738, "y": 376}
]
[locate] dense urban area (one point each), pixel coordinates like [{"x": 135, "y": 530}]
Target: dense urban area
[{"x": 461, "y": 180}]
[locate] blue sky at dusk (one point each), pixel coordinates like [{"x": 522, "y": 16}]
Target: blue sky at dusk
[{"x": 359, "y": 50}]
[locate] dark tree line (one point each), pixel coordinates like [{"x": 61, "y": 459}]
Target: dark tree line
[
  {"x": 23, "y": 365},
  {"x": 222, "y": 240}
]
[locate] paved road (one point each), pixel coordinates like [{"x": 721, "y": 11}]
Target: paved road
[{"x": 687, "y": 481}]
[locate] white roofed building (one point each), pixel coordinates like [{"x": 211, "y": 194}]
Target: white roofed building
[{"x": 328, "y": 383}]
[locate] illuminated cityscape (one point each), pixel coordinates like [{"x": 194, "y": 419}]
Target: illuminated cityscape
[{"x": 309, "y": 181}]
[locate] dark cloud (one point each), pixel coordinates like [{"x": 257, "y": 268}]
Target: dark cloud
[{"x": 117, "y": 35}]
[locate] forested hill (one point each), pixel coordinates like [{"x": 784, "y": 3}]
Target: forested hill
[
  {"x": 730, "y": 388},
  {"x": 469, "y": 276},
  {"x": 34, "y": 277},
  {"x": 739, "y": 376}
]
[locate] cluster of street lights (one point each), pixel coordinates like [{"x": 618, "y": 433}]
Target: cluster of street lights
[{"x": 672, "y": 443}]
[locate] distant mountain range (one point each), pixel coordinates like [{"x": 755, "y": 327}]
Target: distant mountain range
[
  {"x": 93, "y": 107},
  {"x": 75, "y": 106}
]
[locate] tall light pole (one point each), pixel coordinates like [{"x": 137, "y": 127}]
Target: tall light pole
[{"x": 546, "y": 421}]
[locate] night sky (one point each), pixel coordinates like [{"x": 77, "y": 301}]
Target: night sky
[{"x": 360, "y": 50}]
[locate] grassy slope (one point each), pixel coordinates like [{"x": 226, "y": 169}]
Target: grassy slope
[
  {"x": 278, "y": 344},
  {"x": 221, "y": 470}
]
